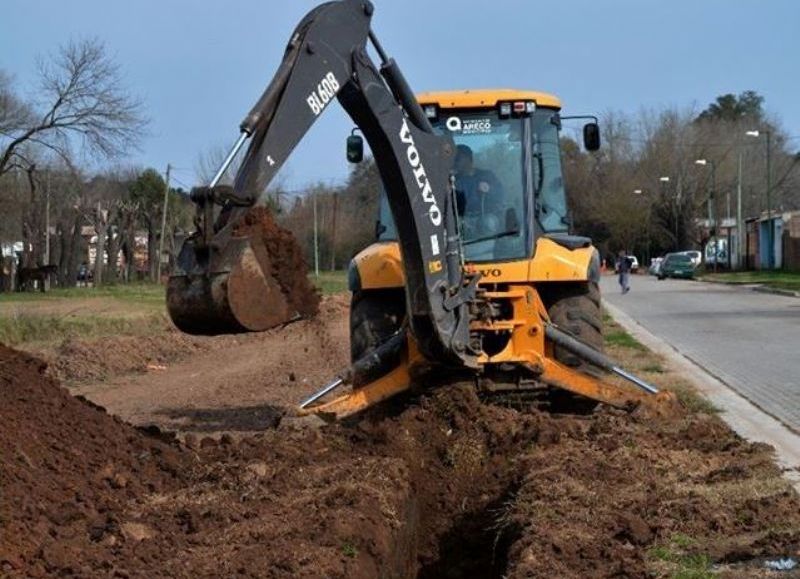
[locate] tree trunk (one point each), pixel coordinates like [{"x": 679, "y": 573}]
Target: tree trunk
[
  {"x": 113, "y": 256},
  {"x": 73, "y": 254},
  {"x": 152, "y": 249},
  {"x": 31, "y": 242},
  {"x": 99, "y": 255}
]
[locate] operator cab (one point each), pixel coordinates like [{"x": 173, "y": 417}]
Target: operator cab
[{"x": 507, "y": 170}]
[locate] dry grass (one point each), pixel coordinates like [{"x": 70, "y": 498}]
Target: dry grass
[{"x": 636, "y": 357}]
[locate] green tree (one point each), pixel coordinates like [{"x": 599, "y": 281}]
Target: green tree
[
  {"x": 729, "y": 107},
  {"x": 147, "y": 192}
]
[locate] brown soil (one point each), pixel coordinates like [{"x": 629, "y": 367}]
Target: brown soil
[
  {"x": 288, "y": 266},
  {"x": 67, "y": 470},
  {"x": 209, "y": 384},
  {"x": 441, "y": 485}
]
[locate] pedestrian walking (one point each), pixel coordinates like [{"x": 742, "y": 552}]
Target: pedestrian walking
[{"x": 624, "y": 269}]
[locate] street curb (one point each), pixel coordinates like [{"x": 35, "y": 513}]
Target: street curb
[
  {"x": 745, "y": 418},
  {"x": 756, "y": 287},
  {"x": 775, "y": 291}
]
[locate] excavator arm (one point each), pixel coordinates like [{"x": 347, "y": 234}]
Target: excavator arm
[{"x": 223, "y": 283}]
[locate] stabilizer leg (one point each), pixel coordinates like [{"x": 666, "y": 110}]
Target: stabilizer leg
[{"x": 661, "y": 403}]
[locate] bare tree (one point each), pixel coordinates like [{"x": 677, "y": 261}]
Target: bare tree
[{"x": 81, "y": 101}]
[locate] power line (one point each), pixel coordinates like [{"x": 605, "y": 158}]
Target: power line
[{"x": 178, "y": 181}]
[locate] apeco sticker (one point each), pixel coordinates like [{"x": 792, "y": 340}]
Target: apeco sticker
[{"x": 470, "y": 126}]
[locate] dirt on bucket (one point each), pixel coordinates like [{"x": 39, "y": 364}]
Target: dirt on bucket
[{"x": 288, "y": 266}]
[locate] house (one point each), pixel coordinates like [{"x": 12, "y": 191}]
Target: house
[{"x": 786, "y": 240}]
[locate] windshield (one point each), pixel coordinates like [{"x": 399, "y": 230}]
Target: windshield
[
  {"x": 678, "y": 259},
  {"x": 489, "y": 183},
  {"x": 489, "y": 168}
]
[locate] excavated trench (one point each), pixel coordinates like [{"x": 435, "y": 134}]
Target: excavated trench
[
  {"x": 475, "y": 544},
  {"x": 443, "y": 486},
  {"x": 420, "y": 493},
  {"x": 465, "y": 463}
]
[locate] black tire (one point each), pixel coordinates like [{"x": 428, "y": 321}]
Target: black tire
[
  {"x": 374, "y": 316},
  {"x": 575, "y": 308}
]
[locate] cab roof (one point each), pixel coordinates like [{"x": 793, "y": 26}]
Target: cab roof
[{"x": 488, "y": 98}]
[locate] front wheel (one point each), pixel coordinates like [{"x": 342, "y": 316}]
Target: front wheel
[
  {"x": 575, "y": 308},
  {"x": 375, "y": 315}
]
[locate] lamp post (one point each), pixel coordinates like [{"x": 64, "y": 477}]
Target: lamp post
[
  {"x": 638, "y": 193},
  {"x": 664, "y": 181},
  {"x": 770, "y": 230},
  {"x": 712, "y": 207},
  {"x": 740, "y": 234}
]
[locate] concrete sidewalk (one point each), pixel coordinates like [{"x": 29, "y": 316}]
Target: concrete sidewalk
[
  {"x": 742, "y": 416},
  {"x": 749, "y": 341}
]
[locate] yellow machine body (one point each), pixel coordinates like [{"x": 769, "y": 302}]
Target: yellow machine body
[{"x": 517, "y": 284}]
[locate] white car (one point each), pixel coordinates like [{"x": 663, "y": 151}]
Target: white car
[
  {"x": 655, "y": 265},
  {"x": 634, "y": 264},
  {"x": 695, "y": 256}
]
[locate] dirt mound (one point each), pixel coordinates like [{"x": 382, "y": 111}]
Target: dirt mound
[
  {"x": 79, "y": 360},
  {"x": 84, "y": 494},
  {"x": 441, "y": 485},
  {"x": 68, "y": 472},
  {"x": 288, "y": 266},
  {"x": 617, "y": 498}
]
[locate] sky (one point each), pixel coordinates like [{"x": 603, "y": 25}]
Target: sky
[{"x": 199, "y": 66}]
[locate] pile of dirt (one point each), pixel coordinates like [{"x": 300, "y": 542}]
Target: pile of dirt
[
  {"x": 81, "y": 360},
  {"x": 68, "y": 472},
  {"x": 441, "y": 485},
  {"x": 288, "y": 266},
  {"x": 78, "y": 360},
  {"x": 615, "y": 497}
]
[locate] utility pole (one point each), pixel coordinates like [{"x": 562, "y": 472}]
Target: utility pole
[
  {"x": 716, "y": 213},
  {"x": 333, "y": 232},
  {"x": 739, "y": 223},
  {"x": 770, "y": 225},
  {"x": 770, "y": 228},
  {"x": 316, "y": 236},
  {"x": 664, "y": 181},
  {"x": 712, "y": 211},
  {"x": 47, "y": 221},
  {"x": 46, "y": 280},
  {"x": 163, "y": 226}
]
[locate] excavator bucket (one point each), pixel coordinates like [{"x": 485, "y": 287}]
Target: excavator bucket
[{"x": 252, "y": 282}]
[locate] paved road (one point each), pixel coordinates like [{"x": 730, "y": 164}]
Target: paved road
[{"x": 749, "y": 340}]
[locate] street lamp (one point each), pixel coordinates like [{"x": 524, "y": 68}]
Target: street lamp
[
  {"x": 664, "y": 181},
  {"x": 638, "y": 192},
  {"x": 770, "y": 234},
  {"x": 712, "y": 203}
]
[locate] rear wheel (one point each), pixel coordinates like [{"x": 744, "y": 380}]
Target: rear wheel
[
  {"x": 374, "y": 316},
  {"x": 575, "y": 308}
]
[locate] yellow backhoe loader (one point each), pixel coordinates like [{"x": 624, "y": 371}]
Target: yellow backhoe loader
[{"x": 474, "y": 269}]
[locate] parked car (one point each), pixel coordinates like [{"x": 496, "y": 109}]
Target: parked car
[
  {"x": 655, "y": 265},
  {"x": 696, "y": 256},
  {"x": 677, "y": 265}
]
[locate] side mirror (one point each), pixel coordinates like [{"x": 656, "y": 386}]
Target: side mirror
[
  {"x": 355, "y": 148},
  {"x": 591, "y": 136}
]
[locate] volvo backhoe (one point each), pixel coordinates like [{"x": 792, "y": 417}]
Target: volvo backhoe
[{"x": 473, "y": 271}]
